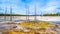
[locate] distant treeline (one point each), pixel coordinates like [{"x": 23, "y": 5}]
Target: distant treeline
[
  {"x": 16, "y": 15},
  {"x": 51, "y": 14},
  {"x": 29, "y": 15},
  {"x": 10, "y": 14}
]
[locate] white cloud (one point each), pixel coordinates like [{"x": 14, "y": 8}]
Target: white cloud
[
  {"x": 19, "y": 7},
  {"x": 50, "y": 7}
]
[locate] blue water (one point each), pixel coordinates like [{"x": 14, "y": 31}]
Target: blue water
[{"x": 54, "y": 22}]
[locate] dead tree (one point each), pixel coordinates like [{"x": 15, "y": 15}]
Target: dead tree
[
  {"x": 10, "y": 13},
  {"x": 5, "y": 13}
]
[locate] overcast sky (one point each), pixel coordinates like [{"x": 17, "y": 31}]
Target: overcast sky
[{"x": 19, "y": 6}]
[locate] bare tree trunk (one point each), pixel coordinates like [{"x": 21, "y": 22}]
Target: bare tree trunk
[
  {"x": 10, "y": 14},
  {"x": 28, "y": 14},
  {"x": 35, "y": 15},
  {"x": 5, "y": 13}
]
